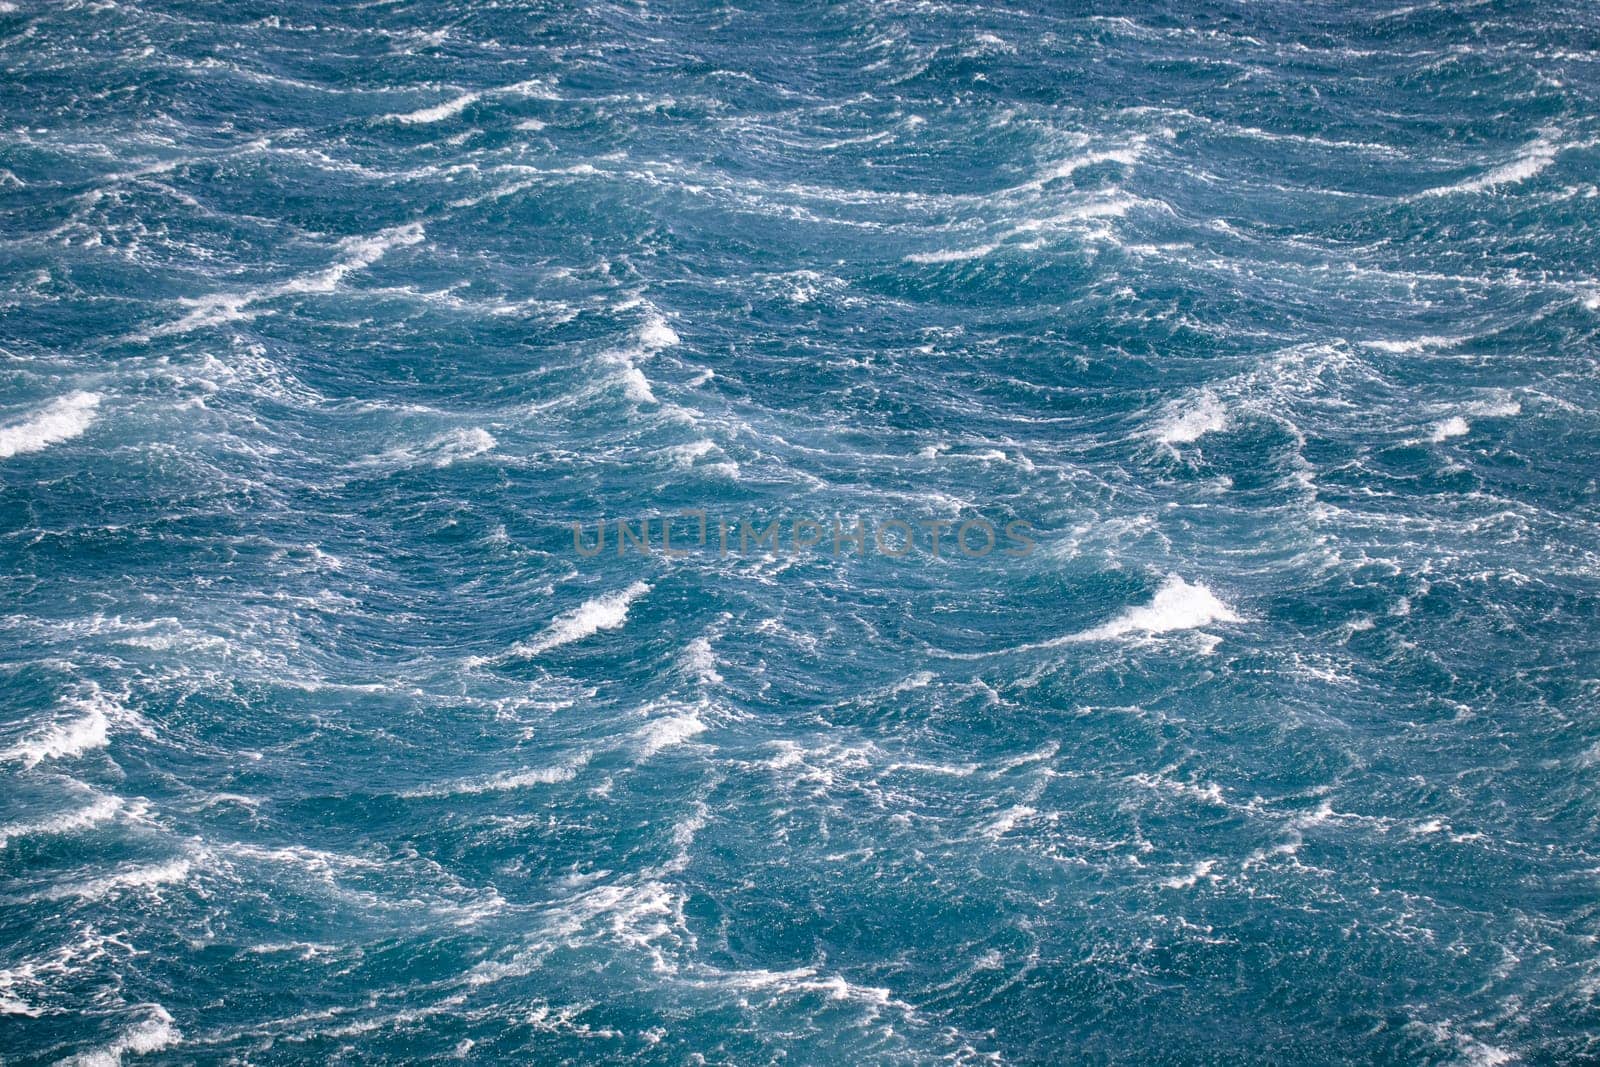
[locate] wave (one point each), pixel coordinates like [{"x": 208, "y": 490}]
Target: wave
[
  {"x": 606, "y": 612},
  {"x": 1498, "y": 406},
  {"x": 651, "y": 338},
  {"x": 1177, "y": 605},
  {"x": 806, "y": 980},
  {"x": 655, "y": 334},
  {"x": 1536, "y": 156},
  {"x": 699, "y": 660},
  {"x": 356, "y": 253},
  {"x": 61, "y": 420},
  {"x": 1200, "y": 870},
  {"x": 669, "y": 730},
  {"x": 636, "y": 386},
  {"x": 442, "y": 451},
  {"x": 102, "y": 809},
  {"x": 1189, "y": 423},
  {"x": 74, "y": 737},
  {"x": 1417, "y": 344},
  {"x": 450, "y": 108},
  {"x": 174, "y": 871},
  {"x": 438, "y": 112},
  {"x": 153, "y": 1034},
  {"x": 504, "y": 782},
  {"x": 1038, "y": 230}
]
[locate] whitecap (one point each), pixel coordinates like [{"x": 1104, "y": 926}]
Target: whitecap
[
  {"x": 74, "y": 737},
  {"x": 637, "y": 386},
  {"x": 655, "y": 334},
  {"x": 1200, "y": 870},
  {"x": 151, "y": 1034},
  {"x": 805, "y": 980},
  {"x": 438, "y": 112},
  {"x": 606, "y": 612},
  {"x": 1186, "y": 423},
  {"x": 1499, "y": 406},
  {"x": 10, "y": 1005},
  {"x": 700, "y": 661},
  {"x": 669, "y": 730},
  {"x": 61, "y": 420},
  {"x": 126, "y": 878},
  {"x": 684, "y": 455},
  {"x": 1177, "y": 605},
  {"x": 357, "y": 253},
  {"x": 446, "y": 449},
  {"x": 1007, "y": 820},
  {"x": 101, "y": 809},
  {"x": 1535, "y": 157},
  {"x": 1413, "y": 344},
  {"x": 952, "y": 255},
  {"x": 1104, "y": 208},
  {"x": 505, "y": 781}
]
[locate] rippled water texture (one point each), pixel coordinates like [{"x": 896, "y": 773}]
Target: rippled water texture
[{"x": 320, "y": 325}]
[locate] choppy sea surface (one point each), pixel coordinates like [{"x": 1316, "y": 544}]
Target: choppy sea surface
[{"x": 321, "y": 324}]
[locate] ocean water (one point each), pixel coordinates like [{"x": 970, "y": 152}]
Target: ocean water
[{"x": 322, "y": 740}]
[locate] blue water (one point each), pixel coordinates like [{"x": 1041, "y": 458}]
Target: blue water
[{"x": 320, "y": 327}]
